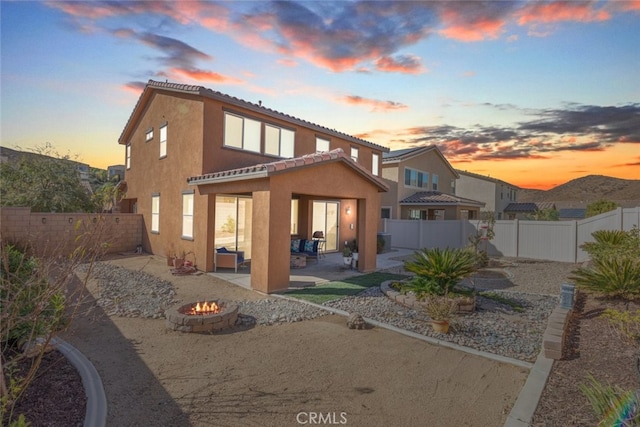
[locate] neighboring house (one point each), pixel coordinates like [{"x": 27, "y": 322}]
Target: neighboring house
[
  {"x": 207, "y": 170},
  {"x": 422, "y": 186},
  {"x": 116, "y": 170},
  {"x": 525, "y": 210},
  {"x": 495, "y": 193}
]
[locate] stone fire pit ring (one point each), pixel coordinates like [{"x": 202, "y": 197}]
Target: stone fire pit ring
[{"x": 226, "y": 318}]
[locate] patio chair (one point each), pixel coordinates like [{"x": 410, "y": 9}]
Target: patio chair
[{"x": 225, "y": 258}]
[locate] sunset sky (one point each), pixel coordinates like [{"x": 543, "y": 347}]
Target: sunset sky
[{"x": 532, "y": 92}]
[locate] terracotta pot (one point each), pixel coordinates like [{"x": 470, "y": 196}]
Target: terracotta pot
[
  {"x": 178, "y": 262},
  {"x": 441, "y": 326}
]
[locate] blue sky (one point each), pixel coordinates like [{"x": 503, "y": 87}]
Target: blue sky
[{"x": 535, "y": 93}]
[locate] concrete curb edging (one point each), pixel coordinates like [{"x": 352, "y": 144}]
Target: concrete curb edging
[
  {"x": 96, "y": 412},
  {"x": 527, "y": 402}
]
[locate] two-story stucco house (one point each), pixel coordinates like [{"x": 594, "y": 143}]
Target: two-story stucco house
[
  {"x": 207, "y": 170},
  {"x": 422, "y": 185},
  {"x": 495, "y": 193}
]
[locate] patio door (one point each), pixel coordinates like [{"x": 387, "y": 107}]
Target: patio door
[
  {"x": 233, "y": 223},
  {"x": 325, "y": 219}
]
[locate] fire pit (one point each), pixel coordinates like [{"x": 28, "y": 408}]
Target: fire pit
[{"x": 206, "y": 316}]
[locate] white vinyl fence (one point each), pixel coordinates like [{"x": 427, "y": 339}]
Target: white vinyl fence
[{"x": 544, "y": 240}]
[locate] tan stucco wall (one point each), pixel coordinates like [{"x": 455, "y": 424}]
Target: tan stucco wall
[
  {"x": 195, "y": 147},
  {"x": 59, "y": 234}
]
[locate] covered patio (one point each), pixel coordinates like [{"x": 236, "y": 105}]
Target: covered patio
[
  {"x": 328, "y": 269},
  {"x": 272, "y": 186}
]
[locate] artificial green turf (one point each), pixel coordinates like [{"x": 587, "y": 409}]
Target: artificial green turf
[{"x": 334, "y": 290}]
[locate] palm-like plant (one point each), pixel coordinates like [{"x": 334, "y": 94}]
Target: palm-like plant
[
  {"x": 438, "y": 271},
  {"x": 614, "y": 277}
]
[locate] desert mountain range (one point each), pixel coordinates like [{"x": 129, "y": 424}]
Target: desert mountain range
[{"x": 580, "y": 192}]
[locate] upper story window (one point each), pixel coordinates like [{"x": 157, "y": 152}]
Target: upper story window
[
  {"x": 149, "y": 135},
  {"x": 278, "y": 141},
  {"x": 354, "y": 154},
  {"x": 163, "y": 140},
  {"x": 128, "y": 156},
  {"x": 434, "y": 182},
  {"x": 155, "y": 213},
  {"x": 415, "y": 178},
  {"x": 241, "y": 132},
  {"x": 321, "y": 144},
  {"x": 375, "y": 160},
  {"x": 453, "y": 186}
]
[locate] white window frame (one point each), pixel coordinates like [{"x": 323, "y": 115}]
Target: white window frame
[
  {"x": 163, "y": 140},
  {"x": 322, "y": 145},
  {"x": 149, "y": 135},
  {"x": 284, "y": 146},
  {"x": 434, "y": 182},
  {"x": 249, "y": 138},
  {"x": 155, "y": 213},
  {"x": 128, "y": 156},
  {"x": 187, "y": 214},
  {"x": 375, "y": 162},
  {"x": 354, "y": 154}
]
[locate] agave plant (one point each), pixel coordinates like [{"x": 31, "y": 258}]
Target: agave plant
[{"x": 438, "y": 271}]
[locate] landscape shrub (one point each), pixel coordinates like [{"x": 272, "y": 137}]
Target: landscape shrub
[
  {"x": 625, "y": 324},
  {"x": 613, "y": 405},
  {"x": 438, "y": 271},
  {"x": 613, "y": 277},
  {"x": 614, "y": 269}
]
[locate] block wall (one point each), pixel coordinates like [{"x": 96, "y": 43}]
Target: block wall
[{"x": 61, "y": 233}]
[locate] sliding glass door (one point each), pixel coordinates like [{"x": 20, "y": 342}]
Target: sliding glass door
[
  {"x": 233, "y": 223},
  {"x": 325, "y": 219}
]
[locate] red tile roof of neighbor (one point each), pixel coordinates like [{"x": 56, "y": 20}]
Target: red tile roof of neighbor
[
  {"x": 286, "y": 165},
  {"x": 438, "y": 198},
  {"x": 209, "y": 93}
]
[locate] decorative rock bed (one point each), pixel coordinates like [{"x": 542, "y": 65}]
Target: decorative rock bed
[{"x": 465, "y": 305}]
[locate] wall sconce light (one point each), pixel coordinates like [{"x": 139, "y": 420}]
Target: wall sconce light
[
  {"x": 348, "y": 210},
  {"x": 70, "y": 220},
  {"x": 44, "y": 220}
]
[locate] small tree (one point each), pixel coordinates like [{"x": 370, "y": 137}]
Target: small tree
[
  {"x": 484, "y": 233},
  {"x": 599, "y": 207},
  {"x": 45, "y": 181}
]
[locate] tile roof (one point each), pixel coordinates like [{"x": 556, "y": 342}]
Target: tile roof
[
  {"x": 438, "y": 198},
  {"x": 205, "y": 92},
  {"x": 529, "y": 206},
  {"x": 285, "y": 165}
]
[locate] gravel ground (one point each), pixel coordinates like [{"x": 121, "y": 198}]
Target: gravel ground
[{"x": 494, "y": 327}]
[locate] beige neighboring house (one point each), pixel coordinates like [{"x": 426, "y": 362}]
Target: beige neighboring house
[
  {"x": 212, "y": 174},
  {"x": 422, "y": 185},
  {"x": 525, "y": 210},
  {"x": 495, "y": 193},
  {"x": 116, "y": 170}
]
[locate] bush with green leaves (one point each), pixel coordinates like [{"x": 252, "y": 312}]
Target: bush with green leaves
[
  {"x": 29, "y": 306},
  {"x": 614, "y": 269},
  {"x": 438, "y": 271}
]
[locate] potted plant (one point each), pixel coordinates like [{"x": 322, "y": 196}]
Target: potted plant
[
  {"x": 441, "y": 310},
  {"x": 347, "y": 255},
  {"x": 170, "y": 252},
  {"x": 354, "y": 249}
]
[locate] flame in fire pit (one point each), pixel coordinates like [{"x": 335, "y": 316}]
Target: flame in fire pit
[{"x": 204, "y": 308}]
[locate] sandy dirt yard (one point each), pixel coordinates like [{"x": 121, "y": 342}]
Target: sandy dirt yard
[{"x": 284, "y": 375}]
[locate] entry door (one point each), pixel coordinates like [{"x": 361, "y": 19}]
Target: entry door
[{"x": 325, "y": 219}]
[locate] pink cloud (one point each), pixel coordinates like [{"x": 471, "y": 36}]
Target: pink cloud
[
  {"x": 558, "y": 11},
  {"x": 376, "y": 105},
  {"x": 203, "y": 75},
  {"x": 408, "y": 64},
  {"x": 288, "y": 62},
  {"x": 473, "y": 31}
]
